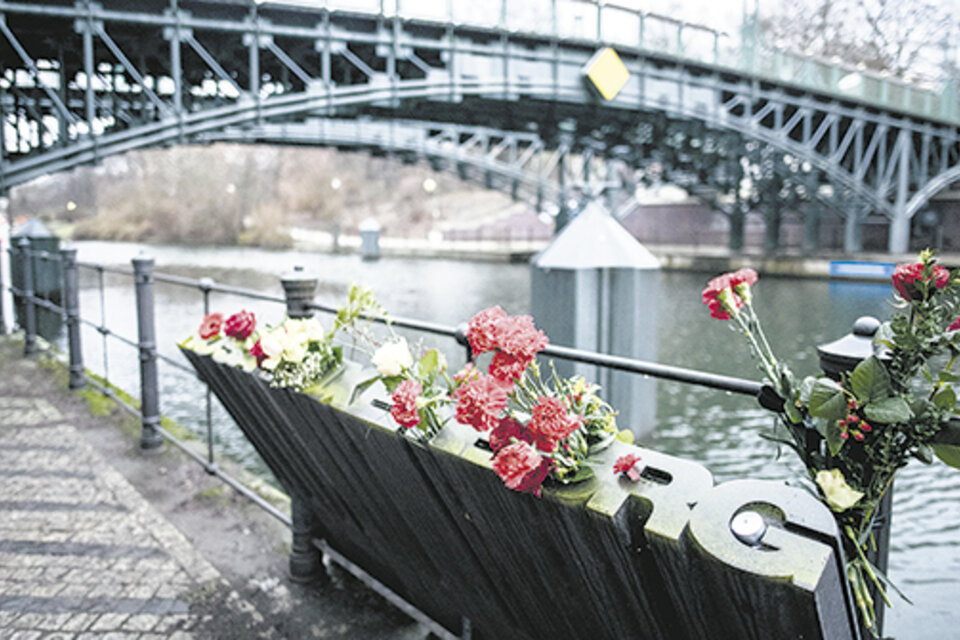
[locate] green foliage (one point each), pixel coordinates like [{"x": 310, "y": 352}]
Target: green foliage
[{"x": 827, "y": 400}]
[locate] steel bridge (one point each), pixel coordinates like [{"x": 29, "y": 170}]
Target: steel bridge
[{"x": 492, "y": 89}]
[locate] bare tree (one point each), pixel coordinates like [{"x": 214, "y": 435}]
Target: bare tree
[{"x": 907, "y": 38}]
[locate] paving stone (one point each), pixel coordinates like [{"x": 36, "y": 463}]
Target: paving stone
[{"x": 82, "y": 554}]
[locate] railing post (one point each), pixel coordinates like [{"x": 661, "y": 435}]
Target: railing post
[
  {"x": 299, "y": 290},
  {"x": 150, "y": 439},
  {"x": 71, "y": 305},
  {"x": 29, "y": 309},
  {"x": 304, "y": 556}
]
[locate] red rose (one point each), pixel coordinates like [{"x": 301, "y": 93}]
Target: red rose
[
  {"x": 404, "y": 409},
  {"x": 482, "y": 330},
  {"x": 506, "y": 367},
  {"x": 907, "y": 276},
  {"x": 240, "y": 325},
  {"x": 521, "y": 467},
  {"x": 211, "y": 324},
  {"x": 626, "y": 464},
  {"x": 550, "y": 423},
  {"x": 479, "y": 403},
  {"x": 504, "y": 433}
]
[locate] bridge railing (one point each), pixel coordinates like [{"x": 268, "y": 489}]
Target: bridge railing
[{"x": 617, "y": 25}]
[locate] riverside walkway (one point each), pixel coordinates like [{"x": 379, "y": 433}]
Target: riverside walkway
[{"x": 83, "y": 554}]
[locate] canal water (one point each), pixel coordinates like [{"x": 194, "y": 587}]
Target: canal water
[{"x": 713, "y": 428}]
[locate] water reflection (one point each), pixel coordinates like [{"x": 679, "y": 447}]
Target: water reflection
[{"x": 716, "y": 429}]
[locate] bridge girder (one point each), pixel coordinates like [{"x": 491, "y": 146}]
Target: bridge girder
[{"x": 85, "y": 80}]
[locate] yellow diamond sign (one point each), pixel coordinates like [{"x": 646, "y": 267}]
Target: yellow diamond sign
[{"x": 606, "y": 73}]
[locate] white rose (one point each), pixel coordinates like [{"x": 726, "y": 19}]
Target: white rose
[{"x": 392, "y": 358}]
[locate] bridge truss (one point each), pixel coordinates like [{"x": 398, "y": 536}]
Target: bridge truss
[{"x": 499, "y": 98}]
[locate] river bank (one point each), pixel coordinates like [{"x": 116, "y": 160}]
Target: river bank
[{"x": 701, "y": 259}]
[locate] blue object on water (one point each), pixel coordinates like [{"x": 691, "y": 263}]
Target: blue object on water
[{"x": 857, "y": 269}]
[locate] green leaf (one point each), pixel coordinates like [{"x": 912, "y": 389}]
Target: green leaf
[
  {"x": 870, "y": 380},
  {"x": 888, "y": 411},
  {"x": 821, "y": 426},
  {"x": 827, "y": 400},
  {"x": 946, "y": 398},
  {"x": 883, "y": 338},
  {"x": 946, "y": 444},
  {"x": 832, "y": 436},
  {"x": 428, "y": 363},
  {"x": 946, "y": 376},
  {"x": 805, "y": 388}
]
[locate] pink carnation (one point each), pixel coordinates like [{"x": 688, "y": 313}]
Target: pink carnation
[
  {"x": 480, "y": 402},
  {"x": 626, "y": 464},
  {"x": 210, "y": 327},
  {"x": 521, "y": 467},
  {"x": 550, "y": 423},
  {"x": 519, "y": 337},
  {"x": 482, "y": 331},
  {"x": 404, "y": 409},
  {"x": 507, "y": 368}
]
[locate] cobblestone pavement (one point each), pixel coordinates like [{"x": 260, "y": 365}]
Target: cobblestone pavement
[{"x": 82, "y": 554}]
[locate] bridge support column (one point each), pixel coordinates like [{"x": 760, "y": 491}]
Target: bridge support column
[
  {"x": 899, "y": 233},
  {"x": 771, "y": 229},
  {"x": 852, "y": 240},
  {"x": 737, "y": 219},
  {"x": 899, "y": 241},
  {"x": 811, "y": 228}
]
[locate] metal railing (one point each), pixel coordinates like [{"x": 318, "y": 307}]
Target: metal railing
[{"x": 298, "y": 300}]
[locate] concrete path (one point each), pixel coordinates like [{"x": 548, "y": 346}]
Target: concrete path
[{"x": 83, "y": 554}]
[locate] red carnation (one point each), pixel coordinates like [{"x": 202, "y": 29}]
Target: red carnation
[
  {"x": 627, "y": 464},
  {"x": 504, "y": 433},
  {"x": 740, "y": 281},
  {"x": 482, "y": 329},
  {"x": 521, "y": 467},
  {"x": 240, "y": 325},
  {"x": 468, "y": 373},
  {"x": 404, "y": 409},
  {"x": 954, "y": 325},
  {"x": 480, "y": 402},
  {"x": 211, "y": 324},
  {"x": 720, "y": 296},
  {"x": 550, "y": 423},
  {"x": 907, "y": 276}
]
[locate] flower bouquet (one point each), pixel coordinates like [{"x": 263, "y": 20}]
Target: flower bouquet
[
  {"x": 537, "y": 426},
  {"x": 853, "y": 434},
  {"x": 298, "y": 353}
]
